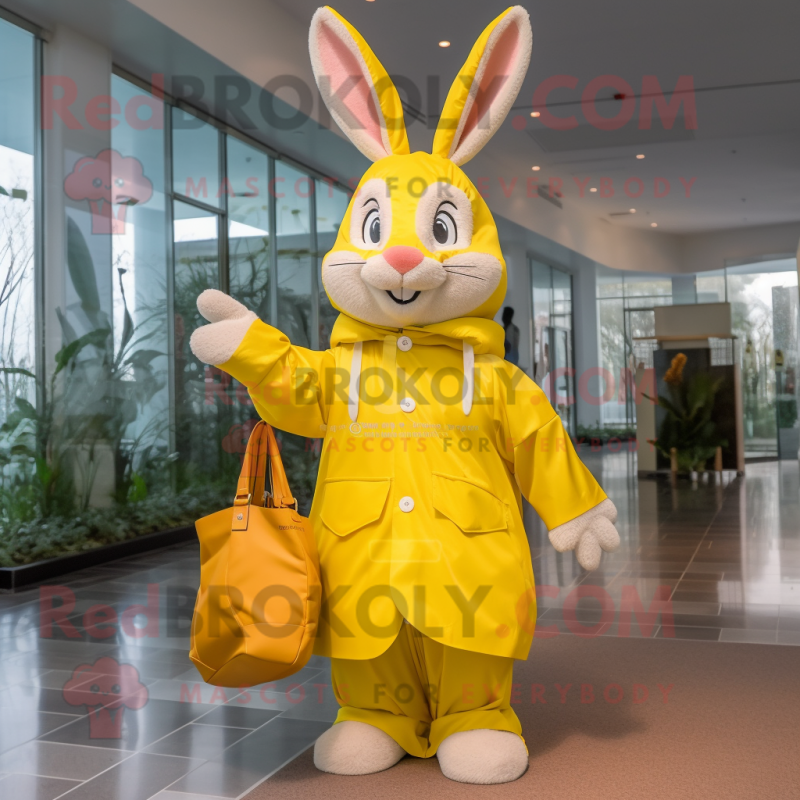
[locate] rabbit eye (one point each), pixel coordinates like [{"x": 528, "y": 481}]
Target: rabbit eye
[
  {"x": 371, "y": 230},
  {"x": 445, "y": 231}
]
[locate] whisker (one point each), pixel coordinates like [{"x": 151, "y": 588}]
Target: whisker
[
  {"x": 464, "y": 274},
  {"x": 346, "y": 264}
]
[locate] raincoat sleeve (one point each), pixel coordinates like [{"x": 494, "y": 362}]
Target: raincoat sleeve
[
  {"x": 540, "y": 453},
  {"x": 285, "y": 382}
]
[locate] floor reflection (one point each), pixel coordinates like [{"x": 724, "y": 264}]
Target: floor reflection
[{"x": 711, "y": 561}]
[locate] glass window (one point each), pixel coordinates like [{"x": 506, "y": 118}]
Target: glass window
[
  {"x": 542, "y": 302},
  {"x": 139, "y": 274},
  {"x": 249, "y": 252},
  {"x": 196, "y": 236},
  {"x": 332, "y": 204},
  {"x": 195, "y": 159},
  {"x": 20, "y": 419},
  {"x": 293, "y": 191},
  {"x": 17, "y": 192},
  {"x": 613, "y": 350},
  {"x": 552, "y": 338},
  {"x": 764, "y": 311},
  {"x": 562, "y": 299},
  {"x": 609, "y": 282},
  {"x": 711, "y": 286}
]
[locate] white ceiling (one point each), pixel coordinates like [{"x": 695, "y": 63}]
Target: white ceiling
[{"x": 744, "y": 59}]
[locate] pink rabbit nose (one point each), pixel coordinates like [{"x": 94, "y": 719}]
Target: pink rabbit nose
[{"x": 403, "y": 258}]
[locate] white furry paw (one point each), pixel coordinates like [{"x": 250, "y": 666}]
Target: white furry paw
[
  {"x": 589, "y": 534},
  {"x": 355, "y": 748},
  {"x": 230, "y": 321},
  {"x": 483, "y": 756}
]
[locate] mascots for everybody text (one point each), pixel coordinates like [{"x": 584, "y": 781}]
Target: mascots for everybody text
[{"x": 430, "y": 436}]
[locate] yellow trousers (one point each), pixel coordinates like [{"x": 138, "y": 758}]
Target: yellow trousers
[{"x": 420, "y": 691}]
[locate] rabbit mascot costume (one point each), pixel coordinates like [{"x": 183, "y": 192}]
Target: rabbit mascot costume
[{"x": 430, "y": 437}]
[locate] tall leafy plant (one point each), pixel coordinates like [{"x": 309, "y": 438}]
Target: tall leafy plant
[
  {"x": 688, "y": 426},
  {"x": 94, "y": 392}
]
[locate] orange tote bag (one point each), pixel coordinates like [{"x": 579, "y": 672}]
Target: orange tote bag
[{"x": 258, "y": 606}]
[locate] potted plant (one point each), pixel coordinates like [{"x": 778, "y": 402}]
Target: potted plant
[{"x": 688, "y": 435}]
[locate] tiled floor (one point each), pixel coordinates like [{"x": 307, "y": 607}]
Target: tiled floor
[{"x": 726, "y": 559}]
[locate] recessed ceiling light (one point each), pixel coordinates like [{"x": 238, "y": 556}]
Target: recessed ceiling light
[
  {"x": 444, "y": 43},
  {"x": 535, "y": 169},
  {"x": 632, "y": 210},
  {"x": 592, "y": 189},
  {"x": 536, "y": 113},
  {"x": 653, "y": 224},
  {"x": 640, "y": 156}
]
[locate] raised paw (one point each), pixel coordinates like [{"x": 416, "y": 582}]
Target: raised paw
[{"x": 230, "y": 321}]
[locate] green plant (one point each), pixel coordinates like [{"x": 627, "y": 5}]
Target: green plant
[
  {"x": 605, "y": 433},
  {"x": 688, "y": 427},
  {"x": 24, "y": 542},
  {"x": 49, "y": 451},
  {"x": 787, "y": 413}
]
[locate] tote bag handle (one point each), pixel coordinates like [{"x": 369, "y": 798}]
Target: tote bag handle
[{"x": 263, "y": 467}]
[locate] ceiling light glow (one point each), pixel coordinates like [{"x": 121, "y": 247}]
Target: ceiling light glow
[
  {"x": 444, "y": 43},
  {"x": 536, "y": 113},
  {"x": 640, "y": 156},
  {"x": 535, "y": 169}
]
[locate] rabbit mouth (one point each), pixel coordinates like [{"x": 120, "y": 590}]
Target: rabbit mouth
[{"x": 403, "y": 300}]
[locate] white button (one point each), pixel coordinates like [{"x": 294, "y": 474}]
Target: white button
[
  {"x": 407, "y": 504},
  {"x": 408, "y": 404},
  {"x": 404, "y": 343}
]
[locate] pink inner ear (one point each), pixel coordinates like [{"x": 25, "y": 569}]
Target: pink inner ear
[
  {"x": 495, "y": 78},
  {"x": 339, "y": 65}
]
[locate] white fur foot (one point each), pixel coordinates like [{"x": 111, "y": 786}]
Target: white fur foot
[
  {"x": 483, "y": 756},
  {"x": 355, "y": 748}
]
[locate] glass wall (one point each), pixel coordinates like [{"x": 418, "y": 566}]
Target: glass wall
[
  {"x": 625, "y": 303},
  {"x": 553, "y": 354},
  {"x": 764, "y": 308},
  {"x": 18, "y": 396},
  {"x": 246, "y": 223},
  {"x": 765, "y": 320},
  {"x": 139, "y": 285},
  {"x": 128, "y": 432}
]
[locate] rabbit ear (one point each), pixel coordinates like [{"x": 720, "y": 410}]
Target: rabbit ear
[
  {"x": 355, "y": 87},
  {"x": 486, "y": 88}
]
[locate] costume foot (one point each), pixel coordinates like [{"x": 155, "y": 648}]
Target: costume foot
[
  {"x": 483, "y": 756},
  {"x": 355, "y": 748}
]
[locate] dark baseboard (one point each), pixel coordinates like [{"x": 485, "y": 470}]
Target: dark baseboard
[{"x": 13, "y": 579}]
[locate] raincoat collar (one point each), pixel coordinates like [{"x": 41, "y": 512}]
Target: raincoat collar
[
  {"x": 484, "y": 335},
  {"x": 469, "y": 334}
]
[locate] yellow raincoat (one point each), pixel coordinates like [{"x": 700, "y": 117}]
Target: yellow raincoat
[
  {"x": 430, "y": 436},
  {"x": 417, "y": 510}
]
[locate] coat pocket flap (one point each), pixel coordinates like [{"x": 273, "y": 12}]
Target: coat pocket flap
[
  {"x": 351, "y": 503},
  {"x": 471, "y": 507}
]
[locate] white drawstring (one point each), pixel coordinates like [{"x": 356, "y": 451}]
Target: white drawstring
[
  {"x": 355, "y": 380},
  {"x": 469, "y": 378}
]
